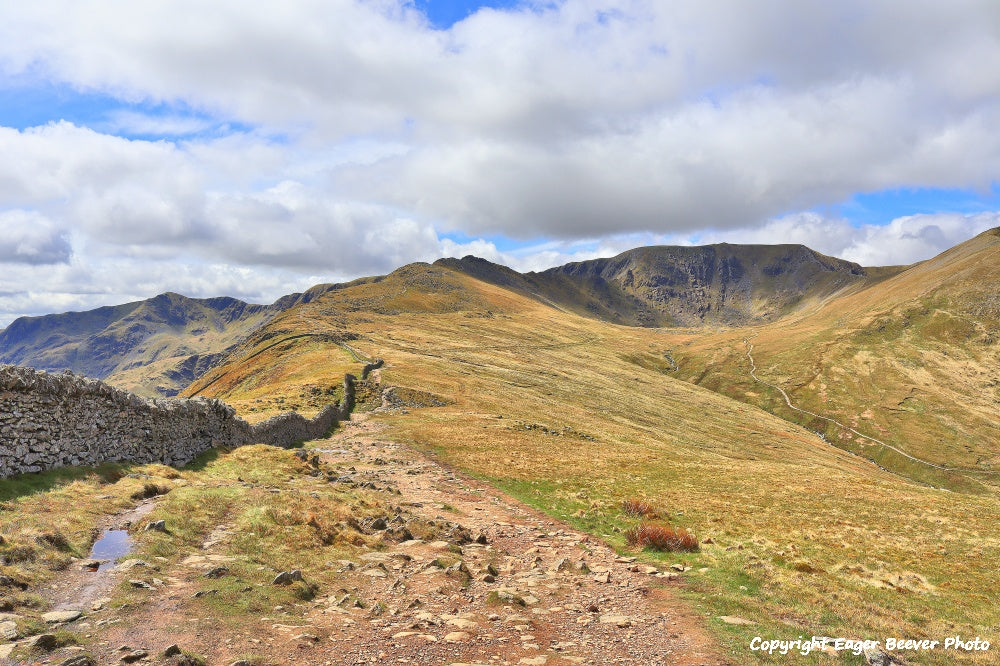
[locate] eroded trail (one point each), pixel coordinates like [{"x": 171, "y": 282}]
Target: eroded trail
[
  {"x": 557, "y": 597},
  {"x": 536, "y": 592}
]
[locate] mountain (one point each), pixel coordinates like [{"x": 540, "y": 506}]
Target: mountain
[
  {"x": 577, "y": 416},
  {"x": 732, "y": 285},
  {"x": 802, "y": 526},
  {"x": 910, "y": 361},
  {"x": 158, "y": 346},
  {"x": 153, "y": 347}
]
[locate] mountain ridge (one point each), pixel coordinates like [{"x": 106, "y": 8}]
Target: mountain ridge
[
  {"x": 668, "y": 285},
  {"x": 158, "y": 346},
  {"x": 154, "y": 346}
]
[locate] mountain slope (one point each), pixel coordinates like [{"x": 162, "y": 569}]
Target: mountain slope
[
  {"x": 158, "y": 346},
  {"x": 685, "y": 286},
  {"x": 911, "y": 361},
  {"x": 153, "y": 347},
  {"x": 554, "y": 408}
]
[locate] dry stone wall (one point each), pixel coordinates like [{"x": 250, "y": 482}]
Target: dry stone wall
[{"x": 55, "y": 420}]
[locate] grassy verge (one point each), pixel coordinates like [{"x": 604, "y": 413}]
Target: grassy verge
[{"x": 268, "y": 511}]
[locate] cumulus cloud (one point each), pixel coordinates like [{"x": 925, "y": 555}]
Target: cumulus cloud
[
  {"x": 902, "y": 241},
  {"x": 364, "y": 134},
  {"x": 573, "y": 118},
  {"x": 26, "y": 237}
]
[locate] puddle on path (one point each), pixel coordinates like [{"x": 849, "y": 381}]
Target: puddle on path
[
  {"x": 81, "y": 587},
  {"x": 112, "y": 545}
]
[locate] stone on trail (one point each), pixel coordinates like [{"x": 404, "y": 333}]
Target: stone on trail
[
  {"x": 56, "y": 617},
  {"x": 457, "y": 637},
  {"x": 134, "y": 563},
  {"x": 8, "y": 630},
  {"x": 133, "y": 656},
  {"x": 156, "y": 526},
  {"x": 79, "y": 660},
  {"x": 404, "y": 634},
  {"x": 461, "y": 623},
  {"x": 560, "y": 565},
  {"x": 42, "y": 642}
]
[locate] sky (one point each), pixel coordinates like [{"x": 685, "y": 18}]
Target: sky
[{"x": 256, "y": 149}]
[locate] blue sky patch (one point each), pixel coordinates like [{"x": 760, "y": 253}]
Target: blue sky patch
[
  {"x": 445, "y": 13},
  {"x": 883, "y": 207},
  {"x": 36, "y": 103}
]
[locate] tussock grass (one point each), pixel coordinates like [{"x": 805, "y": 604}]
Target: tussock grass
[
  {"x": 639, "y": 508},
  {"x": 661, "y": 537},
  {"x": 48, "y": 518}
]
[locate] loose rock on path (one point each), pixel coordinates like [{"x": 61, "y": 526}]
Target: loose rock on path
[{"x": 504, "y": 585}]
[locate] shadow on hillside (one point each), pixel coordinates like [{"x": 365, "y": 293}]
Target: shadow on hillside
[
  {"x": 24, "y": 485},
  {"x": 204, "y": 460}
]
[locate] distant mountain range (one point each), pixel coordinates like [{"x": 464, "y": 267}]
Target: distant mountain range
[
  {"x": 153, "y": 347},
  {"x": 732, "y": 285},
  {"x": 159, "y": 346}
]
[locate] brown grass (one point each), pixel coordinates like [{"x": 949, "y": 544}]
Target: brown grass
[
  {"x": 661, "y": 537},
  {"x": 639, "y": 508},
  {"x": 767, "y": 493}
]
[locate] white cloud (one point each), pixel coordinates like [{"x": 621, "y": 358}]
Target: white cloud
[
  {"x": 26, "y": 237},
  {"x": 603, "y": 124},
  {"x": 903, "y": 241}
]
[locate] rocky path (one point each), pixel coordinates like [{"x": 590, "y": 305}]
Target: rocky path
[
  {"x": 504, "y": 585},
  {"x": 536, "y": 592}
]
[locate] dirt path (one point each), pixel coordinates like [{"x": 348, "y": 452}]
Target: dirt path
[
  {"x": 81, "y": 587},
  {"x": 788, "y": 401},
  {"x": 536, "y": 592},
  {"x": 581, "y": 603}
]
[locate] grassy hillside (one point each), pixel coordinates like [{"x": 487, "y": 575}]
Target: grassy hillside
[
  {"x": 575, "y": 415},
  {"x": 912, "y": 362},
  {"x": 158, "y": 346}
]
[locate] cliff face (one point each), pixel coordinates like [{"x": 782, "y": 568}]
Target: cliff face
[
  {"x": 713, "y": 284},
  {"x": 682, "y": 286}
]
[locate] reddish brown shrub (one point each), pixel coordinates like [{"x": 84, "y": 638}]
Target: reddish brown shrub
[
  {"x": 661, "y": 537},
  {"x": 638, "y": 508}
]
